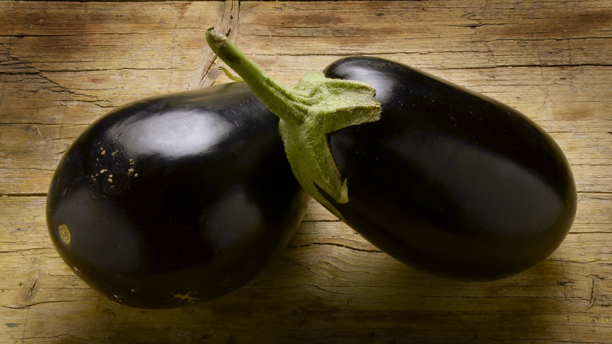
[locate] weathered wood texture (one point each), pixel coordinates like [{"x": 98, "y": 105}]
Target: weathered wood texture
[{"x": 64, "y": 64}]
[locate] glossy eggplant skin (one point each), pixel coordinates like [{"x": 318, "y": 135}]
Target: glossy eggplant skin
[
  {"x": 449, "y": 181},
  {"x": 175, "y": 199}
]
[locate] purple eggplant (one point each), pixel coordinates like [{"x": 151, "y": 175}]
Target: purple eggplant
[{"x": 175, "y": 199}]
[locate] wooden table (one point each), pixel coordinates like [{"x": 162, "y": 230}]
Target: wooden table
[{"x": 64, "y": 64}]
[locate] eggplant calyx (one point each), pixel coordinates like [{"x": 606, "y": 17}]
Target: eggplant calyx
[{"x": 316, "y": 107}]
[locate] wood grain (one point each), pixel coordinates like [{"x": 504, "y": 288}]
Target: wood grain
[{"x": 64, "y": 64}]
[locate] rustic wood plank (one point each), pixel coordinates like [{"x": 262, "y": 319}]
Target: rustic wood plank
[{"x": 64, "y": 64}]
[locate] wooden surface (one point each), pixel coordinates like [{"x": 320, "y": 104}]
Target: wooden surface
[{"x": 64, "y": 64}]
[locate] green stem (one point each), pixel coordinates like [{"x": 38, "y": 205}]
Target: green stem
[
  {"x": 316, "y": 107},
  {"x": 278, "y": 98}
]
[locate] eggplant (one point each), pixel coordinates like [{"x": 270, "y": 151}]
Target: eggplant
[
  {"x": 450, "y": 181},
  {"x": 446, "y": 180},
  {"x": 175, "y": 199}
]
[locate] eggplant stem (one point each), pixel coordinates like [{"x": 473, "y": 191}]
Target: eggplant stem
[{"x": 316, "y": 107}]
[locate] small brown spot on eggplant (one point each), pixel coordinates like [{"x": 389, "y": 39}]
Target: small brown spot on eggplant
[
  {"x": 64, "y": 233},
  {"x": 185, "y": 297}
]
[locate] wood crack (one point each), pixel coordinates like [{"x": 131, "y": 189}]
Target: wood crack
[
  {"x": 209, "y": 66},
  {"x": 38, "y": 72},
  {"x": 37, "y": 303},
  {"x": 28, "y": 250},
  {"x": 25, "y": 194},
  {"x": 536, "y": 65},
  {"x": 592, "y": 298},
  {"x": 321, "y": 221},
  {"x": 334, "y": 244}
]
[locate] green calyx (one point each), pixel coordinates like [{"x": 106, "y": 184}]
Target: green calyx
[{"x": 317, "y": 106}]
